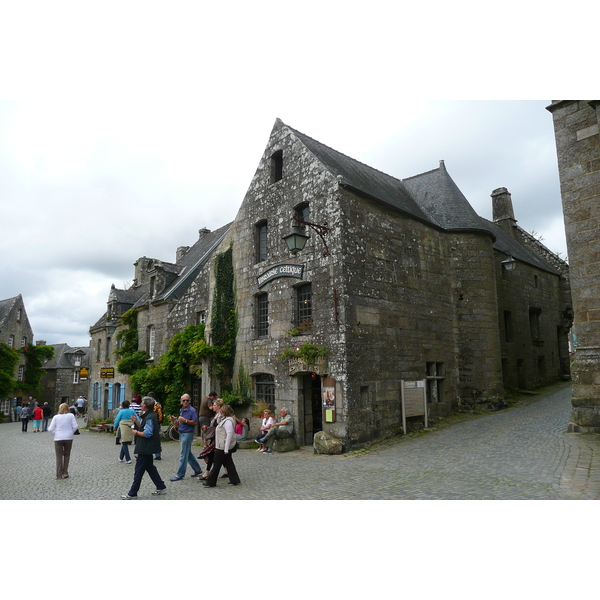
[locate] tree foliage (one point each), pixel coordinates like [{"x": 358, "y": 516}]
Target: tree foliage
[{"x": 9, "y": 358}]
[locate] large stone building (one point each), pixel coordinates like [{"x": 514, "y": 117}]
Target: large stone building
[
  {"x": 576, "y": 126},
  {"x": 406, "y": 291}
]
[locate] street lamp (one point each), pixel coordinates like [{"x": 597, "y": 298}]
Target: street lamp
[
  {"x": 297, "y": 240},
  {"x": 509, "y": 264},
  {"x": 111, "y": 326}
]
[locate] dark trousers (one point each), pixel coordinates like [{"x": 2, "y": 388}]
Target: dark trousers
[
  {"x": 24, "y": 424},
  {"x": 145, "y": 464},
  {"x": 62, "y": 449},
  {"x": 222, "y": 460}
]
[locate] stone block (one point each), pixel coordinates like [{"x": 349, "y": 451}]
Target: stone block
[
  {"x": 327, "y": 443},
  {"x": 284, "y": 445}
]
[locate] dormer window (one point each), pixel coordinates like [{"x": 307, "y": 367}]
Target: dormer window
[{"x": 277, "y": 166}]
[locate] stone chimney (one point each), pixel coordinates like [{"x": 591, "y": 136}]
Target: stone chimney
[
  {"x": 181, "y": 251},
  {"x": 502, "y": 210},
  {"x": 41, "y": 343},
  {"x": 202, "y": 232}
]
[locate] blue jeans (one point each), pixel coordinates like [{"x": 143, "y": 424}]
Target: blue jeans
[
  {"x": 124, "y": 454},
  {"x": 186, "y": 439}
]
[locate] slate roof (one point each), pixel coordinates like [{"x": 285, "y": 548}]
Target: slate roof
[
  {"x": 432, "y": 197},
  {"x": 60, "y": 360},
  {"x": 364, "y": 179},
  {"x": 5, "y": 308},
  {"x": 510, "y": 246}
]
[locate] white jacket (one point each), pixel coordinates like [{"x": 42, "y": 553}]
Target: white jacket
[{"x": 63, "y": 427}]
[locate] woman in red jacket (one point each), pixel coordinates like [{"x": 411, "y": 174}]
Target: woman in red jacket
[{"x": 38, "y": 415}]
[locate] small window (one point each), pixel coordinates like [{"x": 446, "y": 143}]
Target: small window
[
  {"x": 76, "y": 376},
  {"x": 262, "y": 315},
  {"x": 277, "y": 166},
  {"x": 11, "y": 341},
  {"x": 534, "y": 323},
  {"x": 99, "y": 350},
  {"x": 23, "y": 342},
  {"x": 151, "y": 340},
  {"x": 261, "y": 241},
  {"x": 21, "y": 373},
  {"x": 108, "y": 341},
  {"x": 304, "y": 306},
  {"x": 508, "y": 326},
  {"x": 201, "y": 317},
  {"x": 302, "y": 213},
  {"x": 435, "y": 377},
  {"x": 264, "y": 386}
]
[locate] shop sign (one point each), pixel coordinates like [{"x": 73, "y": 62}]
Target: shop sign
[
  {"x": 107, "y": 372},
  {"x": 83, "y": 373},
  {"x": 280, "y": 271}
]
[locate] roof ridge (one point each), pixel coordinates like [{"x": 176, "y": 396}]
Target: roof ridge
[{"x": 344, "y": 155}]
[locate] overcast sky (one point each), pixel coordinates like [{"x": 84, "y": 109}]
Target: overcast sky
[{"x": 142, "y": 126}]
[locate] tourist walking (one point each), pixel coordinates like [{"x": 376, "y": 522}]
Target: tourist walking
[
  {"x": 188, "y": 419},
  {"x": 47, "y": 413},
  {"x": 63, "y": 427},
  {"x": 38, "y": 415},
  {"x": 225, "y": 445},
  {"x": 24, "y": 418},
  {"x": 123, "y": 430},
  {"x": 147, "y": 444}
]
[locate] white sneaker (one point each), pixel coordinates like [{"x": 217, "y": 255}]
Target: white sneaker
[{"x": 159, "y": 492}]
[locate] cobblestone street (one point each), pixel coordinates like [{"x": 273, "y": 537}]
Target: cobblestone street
[{"x": 518, "y": 454}]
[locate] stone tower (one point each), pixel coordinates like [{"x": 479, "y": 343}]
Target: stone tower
[{"x": 578, "y": 149}]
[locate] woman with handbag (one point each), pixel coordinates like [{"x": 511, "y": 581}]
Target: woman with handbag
[{"x": 225, "y": 446}]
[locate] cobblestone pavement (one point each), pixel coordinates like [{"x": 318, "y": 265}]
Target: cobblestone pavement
[{"x": 521, "y": 453}]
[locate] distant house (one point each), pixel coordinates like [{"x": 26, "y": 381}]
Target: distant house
[
  {"x": 154, "y": 294},
  {"x": 16, "y": 332},
  {"x": 66, "y": 375}
]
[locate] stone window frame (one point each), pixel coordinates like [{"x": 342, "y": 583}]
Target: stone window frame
[
  {"x": 435, "y": 373},
  {"x": 262, "y": 315},
  {"x": 151, "y": 340},
  {"x": 23, "y": 342},
  {"x": 264, "y": 388},
  {"x": 76, "y": 376},
  {"x": 535, "y": 324},
  {"x": 302, "y": 212},
  {"x": 276, "y": 172},
  {"x": 303, "y": 305},
  {"x": 21, "y": 373},
  {"x": 261, "y": 232},
  {"x": 11, "y": 340}
]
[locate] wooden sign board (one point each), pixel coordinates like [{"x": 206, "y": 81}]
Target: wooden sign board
[{"x": 414, "y": 401}]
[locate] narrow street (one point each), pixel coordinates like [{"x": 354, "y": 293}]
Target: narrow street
[{"x": 522, "y": 453}]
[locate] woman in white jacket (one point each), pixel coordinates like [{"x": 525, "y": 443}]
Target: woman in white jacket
[{"x": 63, "y": 427}]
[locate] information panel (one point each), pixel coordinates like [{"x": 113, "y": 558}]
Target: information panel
[{"x": 414, "y": 401}]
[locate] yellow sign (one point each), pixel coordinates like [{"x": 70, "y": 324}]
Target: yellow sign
[
  {"x": 83, "y": 373},
  {"x": 107, "y": 372}
]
